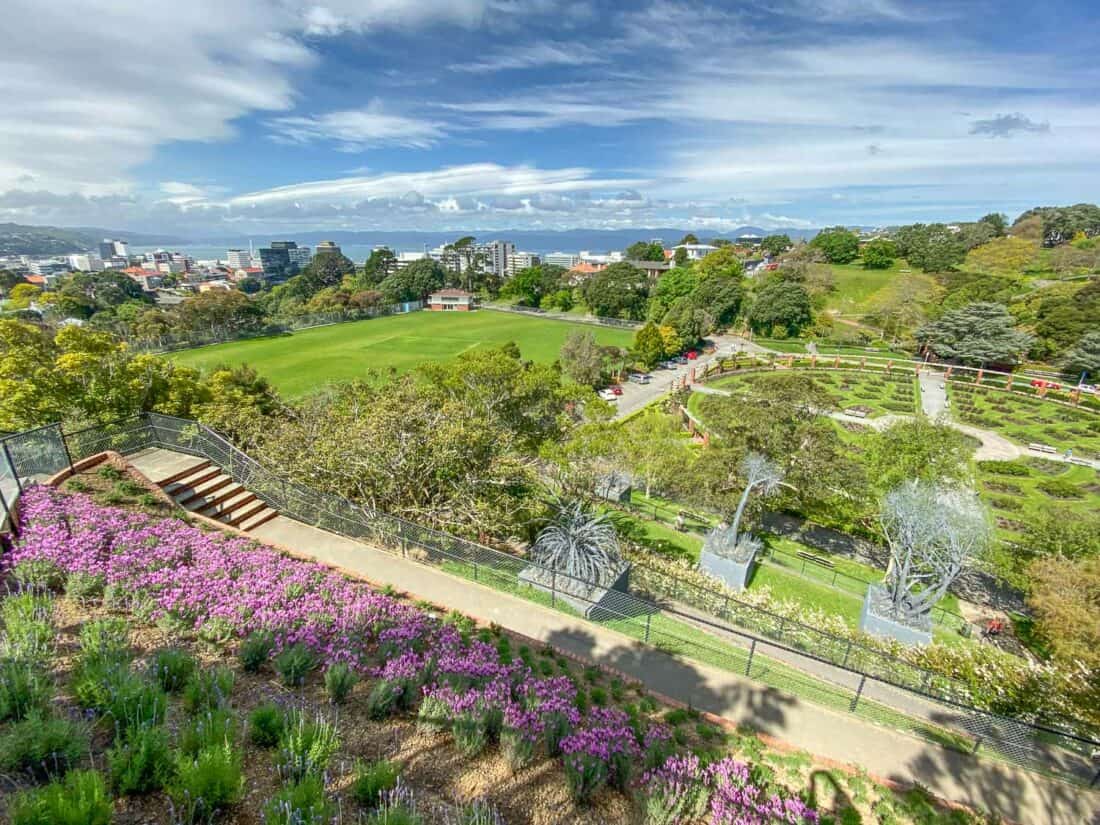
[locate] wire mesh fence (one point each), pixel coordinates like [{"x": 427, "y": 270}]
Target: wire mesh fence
[{"x": 828, "y": 670}]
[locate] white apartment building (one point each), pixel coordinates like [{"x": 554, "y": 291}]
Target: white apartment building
[
  {"x": 519, "y": 261},
  {"x": 239, "y": 259},
  {"x": 695, "y": 251},
  {"x": 563, "y": 259},
  {"x": 496, "y": 256},
  {"x": 594, "y": 258},
  {"x": 48, "y": 268},
  {"x": 85, "y": 263}
]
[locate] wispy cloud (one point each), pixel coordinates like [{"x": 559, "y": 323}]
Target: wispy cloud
[
  {"x": 356, "y": 129},
  {"x": 534, "y": 55}
]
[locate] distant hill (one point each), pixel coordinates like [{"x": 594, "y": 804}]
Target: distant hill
[
  {"x": 19, "y": 239},
  {"x": 541, "y": 241}
]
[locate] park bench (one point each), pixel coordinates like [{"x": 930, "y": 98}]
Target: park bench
[
  {"x": 1042, "y": 448},
  {"x": 802, "y": 554}
]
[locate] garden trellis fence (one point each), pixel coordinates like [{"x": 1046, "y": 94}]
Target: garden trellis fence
[{"x": 829, "y": 670}]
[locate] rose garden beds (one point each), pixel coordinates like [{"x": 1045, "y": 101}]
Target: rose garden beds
[{"x": 547, "y": 745}]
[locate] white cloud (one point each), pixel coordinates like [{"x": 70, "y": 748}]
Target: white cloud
[
  {"x": 533, "y": 55},
  {"x": 449, "y": 182},
  {"x": 356, "y": 129},
  {"x": 92, "y": 87}
]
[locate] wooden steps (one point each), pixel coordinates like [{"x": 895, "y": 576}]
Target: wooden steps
[{"x": 204, "y": 489}]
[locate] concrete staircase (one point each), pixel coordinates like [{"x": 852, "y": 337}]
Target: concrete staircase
[{"x": 203, "y": 488}]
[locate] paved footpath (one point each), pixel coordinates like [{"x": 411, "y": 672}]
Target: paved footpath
[{"x": 1016, "y": 794}]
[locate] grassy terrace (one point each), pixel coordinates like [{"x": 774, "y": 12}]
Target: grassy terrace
[
  {"x": 1027, "y": 418},
  {"x": 304, "y": 362},
  {"x": 882, "y": 393}
]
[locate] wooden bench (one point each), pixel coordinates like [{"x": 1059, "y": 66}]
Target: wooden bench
[
  {"x": 1041, "y": 448},
  {"x": 802, "y": 554}
]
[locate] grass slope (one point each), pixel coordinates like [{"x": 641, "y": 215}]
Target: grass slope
[{"x": 304, "y": 362}]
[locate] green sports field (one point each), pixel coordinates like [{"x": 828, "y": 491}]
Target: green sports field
[{"x": 305, "y": 361}]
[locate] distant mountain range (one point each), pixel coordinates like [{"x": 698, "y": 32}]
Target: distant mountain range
[
  {"x": 19, "y": 239},
  {"x": 541, "y": 241}
]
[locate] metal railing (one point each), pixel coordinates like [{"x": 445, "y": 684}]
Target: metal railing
[{"x": 777, "y": 651}]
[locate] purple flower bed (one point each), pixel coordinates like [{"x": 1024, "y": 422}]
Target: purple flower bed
[
  {"x": 168, "y": 569},
  {"x": 683, "y": 788}
]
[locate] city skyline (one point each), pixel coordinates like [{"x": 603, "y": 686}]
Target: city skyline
[{"x": 483, "y": 115}]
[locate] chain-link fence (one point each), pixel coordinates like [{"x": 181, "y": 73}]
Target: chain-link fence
[{"x": 831, "y": 671}]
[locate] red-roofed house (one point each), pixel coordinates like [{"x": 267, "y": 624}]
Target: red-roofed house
[{"x": 451, "y": 300}]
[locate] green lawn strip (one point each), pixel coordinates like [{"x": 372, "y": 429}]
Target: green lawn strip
[
  {"x": 653, "y": 506},
  {"x": 304, "y": 362}
]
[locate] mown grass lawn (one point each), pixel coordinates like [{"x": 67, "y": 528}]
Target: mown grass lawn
[
  {"x": 305, "y": 361},
  {"x": 880, "y": 392}
]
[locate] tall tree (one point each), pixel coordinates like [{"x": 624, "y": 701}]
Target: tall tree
[
  {"x": 879, "y": 254},
  {"x": 649, "y": 345},
  {"x": 414, "y": 282},
  {"x": 977, "y": 334},
  {"x": 776, "y": 245},
  {"x": 840, "y": 245},
  {"x": 780, "y": 306},
  {"x": 619, "y": 291},
  {"x": 582, "y": 358},
  {"x": 644, "y": 251},
  {"x": 997, "y": 221},
  {"x": 1084, "y": 358},
  {"x": 689, "y": 238}
]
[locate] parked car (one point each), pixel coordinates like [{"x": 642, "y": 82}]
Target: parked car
[
  {"x": 640, "y": 378},
  {"x": 616, "y": 390},
  {"x": 607, "y": 395},
  {"x": 1050, "y": 385},
  {"x": 679, "y": 359}
]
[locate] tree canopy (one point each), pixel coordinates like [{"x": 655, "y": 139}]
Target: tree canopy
[
  {"x": 776, "y": 245},
  {"x": 782, "y": 306},
  {"x": 840, "y": 245},
  {"x": 879, "y": 254},
  {"x": 976, "y": 334},
  {"x": 930, "y": 247},
  {"x": 414, "y": 282},
  {"x": 619, "y": 291},
  {"x": 644, "y": 251}
]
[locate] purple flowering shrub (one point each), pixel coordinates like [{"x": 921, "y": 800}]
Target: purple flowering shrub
[
  {"x": 174, "y": 574},
  {"x": 683, "y": 789}
]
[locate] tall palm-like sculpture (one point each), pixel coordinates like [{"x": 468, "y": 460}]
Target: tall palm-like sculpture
[
  {"x": 763, "y": 477},
  {"x": 581, "y": 544}
]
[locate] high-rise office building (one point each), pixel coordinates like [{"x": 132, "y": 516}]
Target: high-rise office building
[
  {"x": 300, "y": 256},
  {"x": 275, "y": 261},
  {"x": 329, "y": 247}
]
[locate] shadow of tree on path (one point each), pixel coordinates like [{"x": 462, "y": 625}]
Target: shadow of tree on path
[
  {"x": 1012, "y": 793},
  {"x": 759, "y": 707}
]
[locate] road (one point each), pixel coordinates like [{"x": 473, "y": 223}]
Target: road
[{"x": 636, "y": 396}]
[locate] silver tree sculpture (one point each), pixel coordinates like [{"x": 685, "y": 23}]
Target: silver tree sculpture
[
  {"x": 931, "y": 531},
  {"x": 579, "y": 543},
  {"x": 762, "y": 475}
]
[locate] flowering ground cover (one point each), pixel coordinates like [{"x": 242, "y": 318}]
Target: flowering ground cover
[{"x": 365, "y": 676}]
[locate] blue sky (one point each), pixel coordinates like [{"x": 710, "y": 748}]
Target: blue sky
[{"x": 250, "y": 116}]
